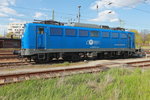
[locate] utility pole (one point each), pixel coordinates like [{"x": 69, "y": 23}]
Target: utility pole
[
  {"x": 53, "y": 15},
  {"x": 79, "y": 15},
  {"x": 122, "y": 23},
  {"x": 97, "y": 7},
  {"x": 4, "y": 34}
]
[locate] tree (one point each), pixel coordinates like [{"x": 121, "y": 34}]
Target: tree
[
  {"x": 11, "y": 35},
  {"x": 148, "y": 39},
  {"x": 138, "y": 38},
  {"x": 145, "y": 36},
  {"x": 1, "y": 35}
]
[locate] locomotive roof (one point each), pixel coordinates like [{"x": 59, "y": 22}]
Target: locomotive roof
[{"x": 40, "y": 24}]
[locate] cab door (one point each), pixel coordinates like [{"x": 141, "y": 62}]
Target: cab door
[
  {"x": 129, "y": 40},
  {"x": 41, "y": 32}
]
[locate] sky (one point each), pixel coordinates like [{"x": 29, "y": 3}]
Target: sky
[{"x": 130, "y": 14}]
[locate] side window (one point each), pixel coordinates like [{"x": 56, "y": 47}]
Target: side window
[
  {"x": 41, "y": 30},
  {"x": 94, "y": 34},
  {"x": 123, "y": 35},
  {"x": 56, "y": 31},
  {"x": 115, "y": 35},
  {"x": 105, "y": 34},
  {"x": 83, "y": 33},
  {"x": 70, "y": 32}
]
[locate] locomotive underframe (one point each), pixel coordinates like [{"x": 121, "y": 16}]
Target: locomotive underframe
[{"x": 46, "y": 55}]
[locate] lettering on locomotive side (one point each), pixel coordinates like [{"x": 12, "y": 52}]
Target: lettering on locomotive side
[
  {"x": 92, "y": 42},
  {"x": 119, "y": 44}
]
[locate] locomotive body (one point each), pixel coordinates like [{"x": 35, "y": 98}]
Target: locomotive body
[{"x": 43, "y": 42}]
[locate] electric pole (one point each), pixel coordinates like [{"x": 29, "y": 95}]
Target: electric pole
[
  {"x": 122, "y": 23},
  {"x": 97, "y": 7},
  {"x": 79, "y": 14},
  {"x": 53, "y": 15}
]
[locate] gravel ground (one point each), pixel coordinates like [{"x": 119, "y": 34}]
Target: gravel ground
[
  {"x": 43, "y": 67},
  {"x": 9, "y": 60}
]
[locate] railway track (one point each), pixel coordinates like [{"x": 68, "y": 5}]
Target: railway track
[
  {"x": 6, "y": 51},
  {"x": 7, "y": 56},
  {"x": 14, "y": 78},
  {"x": 145, "y": 63},
  {"x": 19, "y": 77},
  {"x": 11, "y": 64}
]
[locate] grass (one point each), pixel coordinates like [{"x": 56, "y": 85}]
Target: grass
[
  {"x": 145, "y": 47},
  {"x": 115, "y": 84}
]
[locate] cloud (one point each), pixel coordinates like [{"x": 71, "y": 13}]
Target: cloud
[
  {"x": 12, "y": 19},
  {"x": 147, "y": 1},
  {"x": 7, "y": 2},
  {"x": 108, "y": 4},
  {"x": 101, "y": 4},
  {"x": 45, "y": 9},
  {"x": 40, "y": 15},
  {"x": 107, "y": 15},
  {"x": 16, "y": 20},
  {"x": 10, "y": 11},
  {"x": 5, "y": 9},
  {"x": 3, "y": 15}
]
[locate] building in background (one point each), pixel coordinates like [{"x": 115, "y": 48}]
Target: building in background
[{"x": 16, "y": 28}]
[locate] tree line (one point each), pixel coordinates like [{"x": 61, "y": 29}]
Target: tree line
[{"x": 142, "y": 38}]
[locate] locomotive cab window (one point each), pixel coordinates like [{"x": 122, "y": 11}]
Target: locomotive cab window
[
  {"x": 94, "y": 34},
  {"x": 41, "y": 30},
  {"x": 83, "y": 33},
  {"x": 105, "y": 34},
  {"x": 70, "y": 32},
  {"x": 56, "y": 31}
]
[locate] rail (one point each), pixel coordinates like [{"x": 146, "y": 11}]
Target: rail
[{"x": 19, "y": 77}]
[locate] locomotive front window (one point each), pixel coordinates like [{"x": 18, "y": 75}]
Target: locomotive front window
[
  {"x": 70, "y": 32},
  {"x": 41, "y": 30},
  {"x": 83, "y": 33},
  {"x": 56, "y": 31},
  {"x": 94, "y": 34}
]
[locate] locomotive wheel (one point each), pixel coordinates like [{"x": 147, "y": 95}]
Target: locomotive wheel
[
  {"x": 125, "y": 55},
  {"x": 75, "y": 58},
  {"x": 40, "y": 61},
  {"x": 72, "y": 57},
  {"x": 66, "y": 58}
]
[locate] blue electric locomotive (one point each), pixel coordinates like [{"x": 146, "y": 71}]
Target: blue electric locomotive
[{"x": 43, "y": 42}]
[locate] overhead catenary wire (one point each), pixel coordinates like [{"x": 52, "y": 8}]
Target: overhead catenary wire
[
  {"x": 50, "y": 10},
  {"x": 69, "y": 14},
  {"x": 125, "y": 6},
  {"x": 60, "y": 13}
]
